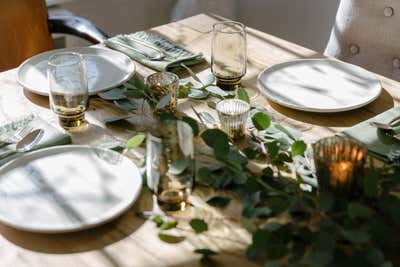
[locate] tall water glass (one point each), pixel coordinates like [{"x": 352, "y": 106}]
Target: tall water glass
[
  {"x": 68, "y": 88},
  {"x": 228, "y": 59},
  {"x": 170, "y": 164}
]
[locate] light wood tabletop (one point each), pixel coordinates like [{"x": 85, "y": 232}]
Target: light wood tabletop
[{"x": 130, "y": 240}]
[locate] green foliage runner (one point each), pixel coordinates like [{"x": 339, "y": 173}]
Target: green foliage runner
[{"x": 320, "y": 229}]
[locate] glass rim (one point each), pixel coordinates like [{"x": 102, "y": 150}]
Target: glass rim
[
  {"x": 156, "y": 74},
  {"x": 65, "y": 64},
  {"x": 229, "y": 22},
  {"x": 246, "y": 105}
]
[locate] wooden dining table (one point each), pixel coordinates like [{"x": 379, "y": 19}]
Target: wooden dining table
[{"x": 131, "y": 240}]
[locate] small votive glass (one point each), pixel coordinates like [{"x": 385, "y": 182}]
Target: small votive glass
[
  {"x": 69, "y": 97},
  {"x": 339, "y": 163},
  {"x": 228, "y": 54},
  {"x": 170, "y": 164},
  {"x": 233, "y": 115},
  {"x": 162, "y": 84}
]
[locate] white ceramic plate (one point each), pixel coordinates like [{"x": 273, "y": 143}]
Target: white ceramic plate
[
  {"x": 105, "y": 69},
  {"x": 66, "y": 188},
  {"x": 319, "y": 85}
]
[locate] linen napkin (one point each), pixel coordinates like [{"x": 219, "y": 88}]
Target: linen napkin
[
  {"x": 141, "y": 44},
  {"x": 379, "y": 144},
  {"x": 51, "y": 137}
]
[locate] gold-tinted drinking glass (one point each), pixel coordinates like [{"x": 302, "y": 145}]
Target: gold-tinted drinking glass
[
  {"x": 228, "y": 49},
  {"x": 162, "y": 84},
  {"x": 68, "y": 88},
  {"x": 170, "y": 164}
]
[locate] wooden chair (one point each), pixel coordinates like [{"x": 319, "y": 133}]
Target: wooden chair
[{"x": 25, "y": 30}]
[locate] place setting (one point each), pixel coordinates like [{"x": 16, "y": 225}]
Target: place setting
[{"x": 298, "y": 199}]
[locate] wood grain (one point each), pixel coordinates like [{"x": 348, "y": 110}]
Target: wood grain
[{"x": 129, "y": 240}]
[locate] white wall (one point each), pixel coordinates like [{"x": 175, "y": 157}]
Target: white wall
[{"x": 306, "y": 22}]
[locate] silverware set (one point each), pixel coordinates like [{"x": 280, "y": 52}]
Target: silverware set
[
  {"x": 24, "y": 139},
  {"x": 389, "y": 128}
]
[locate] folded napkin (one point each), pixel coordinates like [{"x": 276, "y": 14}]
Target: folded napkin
[
  {"x": 51, "y": 137},
  {"x": 141, "y": 46},
  {"x": 379, "y": 144}
]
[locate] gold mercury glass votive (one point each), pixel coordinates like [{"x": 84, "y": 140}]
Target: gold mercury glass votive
[
  {"x": 162, "y": 84},
  {"x": 339, "y": 162},
  {"x": 233, "y": 114}
]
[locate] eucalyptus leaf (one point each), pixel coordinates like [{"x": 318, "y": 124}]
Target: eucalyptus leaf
[
  {"x": 357, "y": 210},
  {"x": 208, "y": 79},
  {"x": 370, "y": 183},
  {"x": 172, "y": 239},
  {"x": 198, "y": 225},
  {"x": 193, "y": 123},
  {"x": 158, "y": 220},
  {"x": 183, "y": 91},
  {"x": 192, "y": 74},
  {"x": 326, "y": 200},
  {"x": 261, "y": 121},
  {"x": 285, "y": 131},
  {"x": 163, "y": 101},
  {"x": 211, "y": 136},
  {"x": 356, "y": 236},
  {"x": 113, "y": 94},
  {"x": 134, "y": 93},
  {"x": 219, "y": 201},
  {"x": 168, "y": 225},
  {"x": 135, "y": 141},
  {"x": 211, "y": 104},
  {"x": 207, "y": 117},
  {"x": 242, "y": 95},
  {"x": 125, "y": 104},
  {"x": 137, "y": 82},
  {"x": 215, "y": 90},
  {"x": 298, "y": 148},
  {"x": 205, "y": 252},
  {"x": 178, "y": 166},
  {"x": 198, "y": 94}
]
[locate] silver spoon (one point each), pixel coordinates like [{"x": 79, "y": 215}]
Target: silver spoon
[
  {"x": 386, "y": 126},
  {"x": 26, "y": 143}
]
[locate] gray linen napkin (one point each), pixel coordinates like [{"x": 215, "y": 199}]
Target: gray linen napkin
[
  {"x": 51, "y": 137},
  {"x": 380, "y": 145},
  {"x": 149, "y": 43}
]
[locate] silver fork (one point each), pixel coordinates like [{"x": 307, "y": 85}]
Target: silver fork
[{"x": 17, "y": 136}]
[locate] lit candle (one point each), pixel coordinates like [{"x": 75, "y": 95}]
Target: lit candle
[{"x": 339, "y": 161}]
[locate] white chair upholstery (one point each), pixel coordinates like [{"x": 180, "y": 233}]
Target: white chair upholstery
[{"x": 367, "y": 33}]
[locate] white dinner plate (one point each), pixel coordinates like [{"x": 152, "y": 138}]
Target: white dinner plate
[
  {"x": 105, "y": 69},
  {"x": 66, "y": 188},
  {"x": 319, "y": 85}
]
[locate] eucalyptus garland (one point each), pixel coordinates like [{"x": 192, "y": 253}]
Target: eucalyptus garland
[{"x": 320, "y": 228}]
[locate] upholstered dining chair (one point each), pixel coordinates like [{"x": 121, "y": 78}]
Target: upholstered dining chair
[
  {"x": 25, "y": 29},
  {"x": 367, "y": 33}
]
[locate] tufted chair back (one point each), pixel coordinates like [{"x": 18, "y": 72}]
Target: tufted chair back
[{"x": 367, "y": 33}]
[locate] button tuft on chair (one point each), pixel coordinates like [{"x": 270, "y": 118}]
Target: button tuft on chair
[
  {"x": 354, "y": 49},
  {"x": 388, "y": 11},
  {"x": 396, "y": 63}
]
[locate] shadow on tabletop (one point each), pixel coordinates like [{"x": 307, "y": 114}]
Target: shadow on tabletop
[
  {"x": 87, "y": 240},
  {"x": 339, "y": 119},
  {"x": 42, "y": 101}
]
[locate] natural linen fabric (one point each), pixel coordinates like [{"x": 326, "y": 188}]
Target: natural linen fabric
[
  {"x": 174, "y": 54},
  {"x": 367, "y": 33},
  {"x": 52, "y": 136},
  {"x": 378, "y": 143}
]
